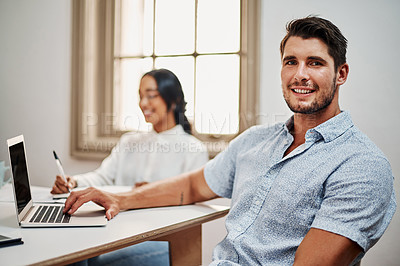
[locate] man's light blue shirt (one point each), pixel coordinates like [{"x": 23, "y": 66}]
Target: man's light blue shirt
[{"x": 338, "y": 181}]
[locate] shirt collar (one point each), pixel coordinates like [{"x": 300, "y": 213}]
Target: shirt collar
[
  {"x": 329, "y": 130},
  {"x": 335, "y": 126}
]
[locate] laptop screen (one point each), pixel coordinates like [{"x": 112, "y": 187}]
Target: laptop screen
[{"x": 20, "y": 175}]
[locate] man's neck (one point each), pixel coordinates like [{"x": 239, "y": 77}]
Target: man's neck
[{"x": 303, "y": 122}]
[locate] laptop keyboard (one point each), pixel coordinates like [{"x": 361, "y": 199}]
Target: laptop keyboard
[{"x": 50, "y": 214}]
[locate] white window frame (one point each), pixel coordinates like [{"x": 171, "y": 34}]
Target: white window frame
[{"x": 92, "y": 119}]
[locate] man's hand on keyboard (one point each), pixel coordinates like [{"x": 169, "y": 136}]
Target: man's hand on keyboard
[{"x": 108, "y": 200}]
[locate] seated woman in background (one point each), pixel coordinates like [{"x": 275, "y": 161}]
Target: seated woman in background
[{"x": 143, "y": 157}]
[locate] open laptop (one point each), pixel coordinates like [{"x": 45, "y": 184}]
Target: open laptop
[{"x": 43, "y": 215}]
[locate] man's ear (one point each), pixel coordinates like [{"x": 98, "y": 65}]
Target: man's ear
[{"x": 342, "y": 73}]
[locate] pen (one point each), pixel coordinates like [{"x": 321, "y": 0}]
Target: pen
[{"x": 60, "y": 168}]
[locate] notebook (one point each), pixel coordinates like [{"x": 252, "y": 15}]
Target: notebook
[{"x": 31, "y": 214}]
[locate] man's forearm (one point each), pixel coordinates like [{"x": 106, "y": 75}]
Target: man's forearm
[{"x": 180, "y": 190}]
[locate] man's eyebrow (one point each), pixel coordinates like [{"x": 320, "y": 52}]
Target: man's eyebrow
[
  {"x": 289, "y": 57},
  {"x": 316, "y": 58}
]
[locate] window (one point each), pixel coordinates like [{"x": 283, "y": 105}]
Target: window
[{"x": 212, "y": 46}]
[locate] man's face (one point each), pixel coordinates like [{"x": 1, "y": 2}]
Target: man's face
[{"x": 308, "y": 76}]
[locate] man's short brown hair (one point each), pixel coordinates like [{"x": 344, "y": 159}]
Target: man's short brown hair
[{"x": 326, "y": 31}]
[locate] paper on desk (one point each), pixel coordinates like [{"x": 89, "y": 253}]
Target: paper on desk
[{"x": 42, "y": 194}]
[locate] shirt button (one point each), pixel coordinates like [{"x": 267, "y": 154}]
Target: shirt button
[
  {"x": 272, "y": 171},
  {"x": 257, "y": 202}
]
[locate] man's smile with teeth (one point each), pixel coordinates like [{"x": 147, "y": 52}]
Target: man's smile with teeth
[{"x": 302, "y": 91}]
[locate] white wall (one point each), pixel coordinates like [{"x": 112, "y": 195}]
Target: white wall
[
  {"x": 35, "y": 60},
  {"x": 371, "y": 93}
]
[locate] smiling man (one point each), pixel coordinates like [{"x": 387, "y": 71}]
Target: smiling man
[
  {"x": 311, "y": 75},
  {"x": 312, "y": 191}
]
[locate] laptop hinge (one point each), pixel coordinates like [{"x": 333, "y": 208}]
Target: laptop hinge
[{"x": 28, "y": 213}]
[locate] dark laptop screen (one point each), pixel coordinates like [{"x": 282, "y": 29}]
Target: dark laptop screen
[{"x": 20, "y": 175}]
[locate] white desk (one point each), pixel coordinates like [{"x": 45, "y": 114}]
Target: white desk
[{"x": 180, "y": 225}]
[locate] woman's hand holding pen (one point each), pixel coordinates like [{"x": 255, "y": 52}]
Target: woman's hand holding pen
[
  {"x": 63, "y": 183},
  {"x": 60, "y": 186}
]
